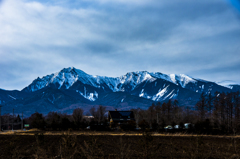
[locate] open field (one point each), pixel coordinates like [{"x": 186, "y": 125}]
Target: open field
[
  {"x": 110, "y": 133},
  {"x": 116, "y": 145}
]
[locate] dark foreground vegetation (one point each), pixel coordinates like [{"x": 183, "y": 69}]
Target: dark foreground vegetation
[
  {"x": 146, "y": 146},
  {"x": 217, "y": 114}
]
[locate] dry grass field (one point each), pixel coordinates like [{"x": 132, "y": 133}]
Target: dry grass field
[{"x": 90, "y": 145}]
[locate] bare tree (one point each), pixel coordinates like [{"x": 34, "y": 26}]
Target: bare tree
[
  {"x": 236, "y": 103},
  {"x": 101, "y": 111},
  {"x": 169, "y": 111},
  {"x": 201, "y": 107},
  {"x": 93, "y": 112},
  {"x": 210, "y": 105},
  {"x": 151, "y": 112},
  {"x": 77, "y": 115}
]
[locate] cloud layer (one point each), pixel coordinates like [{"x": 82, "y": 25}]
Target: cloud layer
[{"x": 105, "y": 37}]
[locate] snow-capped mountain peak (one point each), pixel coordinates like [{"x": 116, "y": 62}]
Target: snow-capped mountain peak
[
  {"x": 160, "y": 86},
  {"x": 135, "y": 77},
  {"x": 66, "y": 77},
  {"x": 183, "y": 80}
]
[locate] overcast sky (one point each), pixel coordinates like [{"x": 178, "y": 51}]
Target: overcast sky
[{"x": 200, "y": 38}]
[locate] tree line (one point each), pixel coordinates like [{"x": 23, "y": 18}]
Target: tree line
[
  {"x": 213, "y": 114},
  {"x": 221, "y": 111},
  {"x": 76, "y": 121},
  {"x": 58, "y": 121}
]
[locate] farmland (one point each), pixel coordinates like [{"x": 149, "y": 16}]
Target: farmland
[{"x": 78, "y": 144}]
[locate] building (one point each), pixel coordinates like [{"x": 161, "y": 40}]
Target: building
[{"x": 120, "y": 117}]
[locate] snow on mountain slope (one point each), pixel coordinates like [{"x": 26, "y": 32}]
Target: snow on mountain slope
[
  {"x": 109, "y": 81},
  {"x": 159, "y": 75},
  {"x": 158, "y": 90},
  {"x": 40, "y": 83},
  {"x": 67, "y": 78},
  {"x": 183, "y": 80},
  {"x": 129, "y": 81},
  {"x": 89, "y": 96},
  {"x": 160, "y": 94},
  {"x": 228, "y": 83}
]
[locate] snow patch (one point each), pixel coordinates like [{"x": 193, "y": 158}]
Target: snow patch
[
  {"x": 184, "y": 80},
  {"x": 169, "y": 94},
  {"x": 172, "y": 96},
  {"x": 142, "y": 93},
  {"x": 12, "y": 97},
  {"x": 160, "y": 94},
  {"x": 173, "y": 78},
  {"x": 90, "y": 96}
]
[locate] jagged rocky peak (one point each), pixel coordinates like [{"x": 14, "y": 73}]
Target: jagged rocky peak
[
  {"x": 74, "y": 71},
  {"x": 183, "y": 79},
  {"x": 38, "y": 83},
  {"x": 136, "y": 77},
  {"x": 67, "y": 77}
]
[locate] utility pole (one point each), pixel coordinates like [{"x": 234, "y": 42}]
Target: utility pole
[
  {"x": 22, "y": 121},
  {"x": 13, "y": 119},
  {"x": 0, "y": 119},
  {"x": 8, "y": 121},
  {"x": 137, "y": 118},
  {"x": 157, "y": 118}
]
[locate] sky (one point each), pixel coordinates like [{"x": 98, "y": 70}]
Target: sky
[{"x": 200, "y": 38}]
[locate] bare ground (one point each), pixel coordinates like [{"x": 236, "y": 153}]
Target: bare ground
[{"x": 77, "y": 144}]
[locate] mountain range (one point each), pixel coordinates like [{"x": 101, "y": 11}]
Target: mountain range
[{"x": 71, "y": 88}]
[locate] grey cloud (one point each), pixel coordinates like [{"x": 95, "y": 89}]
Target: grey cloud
[
  {"x": 100, "y": 47},
  {"x": 153, "y": 25},
  {"x": 218, "y": 72},
  {"x": 104, "y": 38}
]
